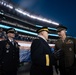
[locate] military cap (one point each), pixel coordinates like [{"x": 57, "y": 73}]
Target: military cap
[
  {"x": 60, "y": 28},
  {"x": 42, "y": 29},
  {"x": 11, "y": 30}
]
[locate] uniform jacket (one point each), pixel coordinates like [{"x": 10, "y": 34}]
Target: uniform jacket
[
  {"x": 68, "y": 48},
  {"x": 40, "y": 50},
  {"x": 9, "y": 55}
]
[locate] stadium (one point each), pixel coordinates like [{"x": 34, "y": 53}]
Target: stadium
[{"x": 26, "y": 24}]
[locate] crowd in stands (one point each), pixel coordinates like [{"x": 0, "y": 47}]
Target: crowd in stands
[
  {"x": 22, "y": 37},
  {"x": 2, "y": 33},
  {"x": 17, "y": 36}
]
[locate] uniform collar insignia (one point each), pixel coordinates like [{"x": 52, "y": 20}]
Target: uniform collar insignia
[{"x": 69, "y": 42}]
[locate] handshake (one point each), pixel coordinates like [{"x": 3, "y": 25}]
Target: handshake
[{"x": 59, "y": 53}]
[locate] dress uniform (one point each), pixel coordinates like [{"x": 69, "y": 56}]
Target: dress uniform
[
  {"x": 41, "y": 56},
  {"x": 9, "y": 56},
  {"x": 65, "y": 51}
]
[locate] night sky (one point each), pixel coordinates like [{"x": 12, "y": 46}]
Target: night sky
[{"x": 61, "y": 11}]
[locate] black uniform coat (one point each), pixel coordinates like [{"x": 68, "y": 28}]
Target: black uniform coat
[
  {"x": 39, "y": 50},
  {"x": 68, "y": 48},
  {"x": 9, "y": 56}
]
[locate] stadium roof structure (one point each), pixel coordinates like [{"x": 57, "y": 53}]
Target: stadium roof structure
[{"x": 19, "y": 18}]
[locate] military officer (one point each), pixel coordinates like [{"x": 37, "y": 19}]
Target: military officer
[
  {"x": 65, "y": 49},
  {"x": 9, "y": 54},
  {"x": 41, "y": 54}
]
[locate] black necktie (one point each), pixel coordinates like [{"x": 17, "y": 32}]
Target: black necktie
[{"x": 12, "y": 42}]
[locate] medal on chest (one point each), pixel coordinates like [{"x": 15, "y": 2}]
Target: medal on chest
[{"x": 7, "y": 47}]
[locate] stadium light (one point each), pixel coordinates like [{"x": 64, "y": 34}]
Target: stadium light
[
  {"x": 35, "y": 17},
  {"x": 6, "y": 4},
  {"x": 9, "y": 6}
]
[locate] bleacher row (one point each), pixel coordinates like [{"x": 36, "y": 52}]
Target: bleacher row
[{"x": 17, "y": 36}]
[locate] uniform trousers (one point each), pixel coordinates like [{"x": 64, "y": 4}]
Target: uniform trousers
[
  {"x": 67, "y": 71},
  {"x": 9, "y": 73}
]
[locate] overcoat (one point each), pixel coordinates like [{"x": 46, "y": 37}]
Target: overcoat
[
  {"x": 41, "y": 58},
  {"x": 9, "y": 56}
]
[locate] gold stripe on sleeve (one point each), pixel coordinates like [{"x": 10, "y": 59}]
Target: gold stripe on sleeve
[{"x": 47, "y": 60}]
